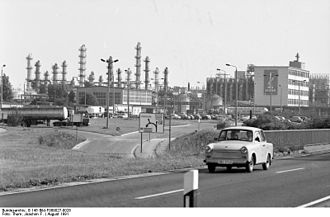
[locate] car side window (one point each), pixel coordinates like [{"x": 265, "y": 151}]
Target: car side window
[
  {"x": 262, "y": 136},
  {"x": 257, "y": 137}
]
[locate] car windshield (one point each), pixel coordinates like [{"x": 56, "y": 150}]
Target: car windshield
[{"x": 236, "y": 134}]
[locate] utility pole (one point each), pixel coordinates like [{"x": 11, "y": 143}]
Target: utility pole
[{"x": 109, "y": 73}]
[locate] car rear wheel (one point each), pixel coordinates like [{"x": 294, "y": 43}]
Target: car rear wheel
[
  {"x": 266, "y": 165},
  {"x": 250, "y": 165},
  {"x": 211, "y": 168}
]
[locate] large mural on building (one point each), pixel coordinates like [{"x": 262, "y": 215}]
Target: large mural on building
[{"x": 270, "y": 82}]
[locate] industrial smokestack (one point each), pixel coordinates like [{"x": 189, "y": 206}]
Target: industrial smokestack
[
  {"x": 166, "y": 79},
  {"x": 146, "y": 70},
  {"x": 138, "y": 65},
  {"x": 119, "y": 78},
  {"x": 29, "y": 71},
  {"x": 156, "y": 72},
  {"x": 55, "y": 73},
  {"x": 37, "y": 72},
  {"x": 64, "y": 72},
  {"x": 82, "y": 65}
]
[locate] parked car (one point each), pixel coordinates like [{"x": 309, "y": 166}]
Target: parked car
[
  {"x": 197, "y": 116},
  {"x": 239, "y": 147}
]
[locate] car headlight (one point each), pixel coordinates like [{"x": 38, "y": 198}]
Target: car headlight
[
  {"x": 208, "y": 149},
  {"x": 244, "y": 150}
]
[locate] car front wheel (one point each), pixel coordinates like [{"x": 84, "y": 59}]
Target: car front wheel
[
  {"x": 250, "y": 165},
  {"x": 266, "y": 165}
]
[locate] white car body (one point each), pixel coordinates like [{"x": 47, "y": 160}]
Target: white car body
[{"x": 241, "y": 151}]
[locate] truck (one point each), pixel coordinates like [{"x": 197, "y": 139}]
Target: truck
[
  {"x": 33, "y": 115},
  {"x": 74, "y": 119}
]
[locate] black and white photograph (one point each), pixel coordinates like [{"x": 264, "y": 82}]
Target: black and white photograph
[{"x": 141, "y": 104}]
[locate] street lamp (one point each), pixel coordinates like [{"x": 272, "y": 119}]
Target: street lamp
[
  {"x": 110, "y": 72},
  {"x": 3, "y": 66},
  {"x": 236, "y": 93},
  {"x": 225, "y": 93},
  {"x": 281, "y": 98}
]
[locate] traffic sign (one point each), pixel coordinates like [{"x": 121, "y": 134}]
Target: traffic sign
[{"x": 151, "y": 123}]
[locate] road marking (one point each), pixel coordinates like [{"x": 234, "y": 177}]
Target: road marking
[
  {"x": 315, "y": 202},
  {"x": 286, "y": 171},
  {"x": 160, "y": 194}
]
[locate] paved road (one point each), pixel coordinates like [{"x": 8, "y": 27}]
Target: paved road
[
  {"x": 124, "y": 145},
  {"x": 288, "y": 183}
]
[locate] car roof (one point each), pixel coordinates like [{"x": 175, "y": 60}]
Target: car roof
[{"x": 242, "y": 128}]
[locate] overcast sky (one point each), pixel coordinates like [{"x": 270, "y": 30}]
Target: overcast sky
[{"x": 190, "y": 37}]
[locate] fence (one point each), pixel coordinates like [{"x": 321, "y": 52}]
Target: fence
[{"x": 282, "y": 138}]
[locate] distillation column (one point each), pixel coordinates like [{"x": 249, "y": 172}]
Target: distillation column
[
  {"x": 55, "y": 73},
  {"x": 64, "y": 72},
  {"x": 138, "y": 65},
  {"x": 37, "y": 72},
  {"x": 146, "y": 70},
  {"x": 29, "y": 72},
  {"x": 156, "y": 72},
  {"x": 119, "y": 78},
  {"x": 82, "y": 65}
]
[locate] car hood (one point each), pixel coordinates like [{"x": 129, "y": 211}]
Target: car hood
[{"x": 229, "y": 145}]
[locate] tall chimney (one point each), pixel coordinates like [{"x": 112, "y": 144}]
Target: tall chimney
[
  {"x": 82, "y": 65},
  {"x": 156, "y": 72},
  {"x": 166, "y": 79},
  {"x": 138, "y": 65},
  {"x": 64, "y": 72},
  {"x": 29, "y": 71},
  {"x": 119, "y": 78},
  {"x": 146, "y": 70},
  {"x": 55, "y": 73},
  {"x": 37, "y": 72}
]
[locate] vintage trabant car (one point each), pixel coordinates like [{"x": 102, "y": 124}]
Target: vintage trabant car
[{"x": 239, "y": 147}]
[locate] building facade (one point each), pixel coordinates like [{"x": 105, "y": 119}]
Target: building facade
[
  {"x": 117, "y": 95},
  {"x": 278, "y": 86}
]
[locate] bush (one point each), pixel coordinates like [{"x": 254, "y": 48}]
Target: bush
[
  {"x": 59, "y": 140},
  {"x": 15, "y": 118}
]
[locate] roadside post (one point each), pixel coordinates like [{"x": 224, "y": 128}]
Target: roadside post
[
  {"x": 190, "y": 188},
  {"x": 141, "y": 142}
]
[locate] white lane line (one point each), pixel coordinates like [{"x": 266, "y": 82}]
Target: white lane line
[
  {"x": 160, "y": 194},
  {"x": 314, "y": 202},
  {"x": 286, "y": 171}
]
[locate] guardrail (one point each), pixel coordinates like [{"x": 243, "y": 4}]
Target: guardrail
[{"x": 282, "y": 138}]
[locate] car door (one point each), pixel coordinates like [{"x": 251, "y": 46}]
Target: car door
[
  {"x": 258, "y": 147},
  {"x": 264, "y": 147}
]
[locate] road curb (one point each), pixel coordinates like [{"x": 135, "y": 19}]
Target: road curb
[{"x": 79, "y": 145}]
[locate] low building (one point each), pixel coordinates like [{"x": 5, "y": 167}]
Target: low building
[{"x": 117, "y": 95}]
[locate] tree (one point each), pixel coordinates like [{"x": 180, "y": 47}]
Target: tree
[
  {"x": 72, "y": 97},
  {"x": 90, "y": 99},
  {"x": 7, "y": 89},
  {"x": 58, "y": 93}
]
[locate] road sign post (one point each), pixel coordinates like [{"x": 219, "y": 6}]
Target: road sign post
[{"x": 190, "y": 188}]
